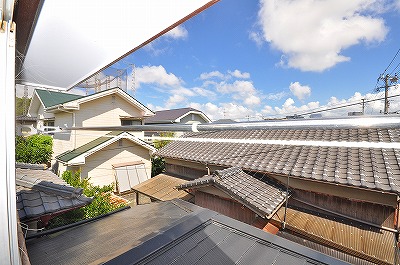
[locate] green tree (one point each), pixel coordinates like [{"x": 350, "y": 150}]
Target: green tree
[
  {"x": 21, "y": 105},
  {"x": 34, "y": 149},
  {"x": 101, "y": 203},
  {"x": 158, "y": 163}
]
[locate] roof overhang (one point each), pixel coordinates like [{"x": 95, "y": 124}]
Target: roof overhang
[
  {"x": 67, "y": 41},
  {"x": 81, "y": 159},
  {"x": 201, "y": 114}
]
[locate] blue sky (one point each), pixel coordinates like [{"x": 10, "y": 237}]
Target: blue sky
[{"x": 267, "y": 59}]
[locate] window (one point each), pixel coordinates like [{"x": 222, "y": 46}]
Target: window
[
  {"x": 48, "y": 123},
  {"x": 126, "y": 122}
]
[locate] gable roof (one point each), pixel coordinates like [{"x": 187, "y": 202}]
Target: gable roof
[
  {"x": 174, "y": 115},
  {"x": 78, "y": 155},
  {"x": 371, "y": 168},
  {"x": 261, "y": 197},
  {"x": 53, "y": 100},
  {"x": 172, "y": 232},
  {"x": 40, "y": 192}
]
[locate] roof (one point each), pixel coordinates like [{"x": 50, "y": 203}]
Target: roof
[
  {"x": 78, "y": 155},
  {"x": 370, "y": 168},
  {"x": 172, "y": 232},
  {"x": 259, "y": 196},
  {"x": 163, "y": 188},
  {"x": 358, "y": 239},
  {"x": 54, "y": 100},
  {"x": 174, "y": 115},
  {"x": 51, "y": 98},
  {"x": 324, "y": 249},
  {"x": 41, "y": 192}
]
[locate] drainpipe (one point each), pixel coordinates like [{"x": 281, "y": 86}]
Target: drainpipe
[{"x": 286, "y": 203}]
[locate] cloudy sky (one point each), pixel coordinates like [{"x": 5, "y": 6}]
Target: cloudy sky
[{"x": 271, "y": 58}]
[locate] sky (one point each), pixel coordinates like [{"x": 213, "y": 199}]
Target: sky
[{"x": 253, "y": 60}]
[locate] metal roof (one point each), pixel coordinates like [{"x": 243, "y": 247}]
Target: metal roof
[
  {"x": 41, "y": 192},
  {"x": 370, "y": 168},
  {"x": 261, "y": 197},
  {"x": 69, "y": 155},
  {"x": 51, "y": 98},
  {"x": 358, "y": 239},
  {"x": 163, "y": 188},
  {"x": 172, "y": 232}
]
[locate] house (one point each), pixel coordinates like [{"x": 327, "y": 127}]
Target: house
[
  {"x": 344, "y": 178},
  {"x": 171, "y": 232},
  {"x": 42, "y": 195},
  {"x": 236, "y": 194},
  {"x": 181, "y": 116},
  {"x": 96, "y": 154}
]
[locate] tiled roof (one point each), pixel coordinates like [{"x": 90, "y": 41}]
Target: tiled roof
[
  {"x": 172, "y": 232},
  {"x": 371, "y": 168},
  {"x": 163, "y": 188},
  {"x": 41, "y": 192},
  {"x": 259, "y": 196},
  {"x": 169, "y": 115},
  {"x": 68, "y": 155},
  {"x": 52, "y": 98},
  {"x": 360, "y": 240}
]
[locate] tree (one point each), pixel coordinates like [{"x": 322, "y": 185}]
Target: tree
[
  {"x": 20, "y": 105},
  {"x": 158, "y": 163},
  {"x": 34, "y": 149}
]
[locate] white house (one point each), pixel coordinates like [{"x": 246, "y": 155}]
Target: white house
[{"x": 96, "y": 154}]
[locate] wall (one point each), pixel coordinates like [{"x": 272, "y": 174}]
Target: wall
[
  {"x": 98, "y": 166},
  {"x": 187, "y": 169},
  {"x": 196, "y": 119},
  {"x": 225, "y": 206},
  {"x": 105, "y": 111}
]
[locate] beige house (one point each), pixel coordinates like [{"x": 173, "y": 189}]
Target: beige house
[{"x": 97, "y": 154}]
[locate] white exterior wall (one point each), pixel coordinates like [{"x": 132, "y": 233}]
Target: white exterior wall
[
  {"x": 105, "y": 111},
  {"x": 98, "y": 166},
  {"x": 193, "y": 118}
]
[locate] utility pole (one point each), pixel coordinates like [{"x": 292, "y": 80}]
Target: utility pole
[
  {"x": 388, "y": 81},
  {"x": 363, "y": 106}
]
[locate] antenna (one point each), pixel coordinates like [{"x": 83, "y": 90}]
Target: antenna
[{"x": 133, "y": 81}]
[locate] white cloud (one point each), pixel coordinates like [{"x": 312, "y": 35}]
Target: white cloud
[
  {"x": 300, "y": 91},
  {"x": 226, "y": 111},
  {"x": 239, "y": 74},
  {"x": 313, "y": 33},
  {"x": 156, "y": 75},
  {"x": 174, "y": 100},
  {"x": 213, "y": 74},
  {"x": 257, "y": 38},
  {"x": 276, "y": 96},
  {"x": 204, "y": 92},
  {"x": 240, "y": 90},
  {"x": 178, "y": 32}
]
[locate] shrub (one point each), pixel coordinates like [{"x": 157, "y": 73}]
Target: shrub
[
  {"x": 34, "y": 149},
  {"x": 101, "y": 203}
]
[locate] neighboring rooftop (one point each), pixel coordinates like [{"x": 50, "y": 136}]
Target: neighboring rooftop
[
  {"x": 370, "y": 168},
  {"x": 163, "y": 188},
  {"x": 174, "y": 116},
  {"x": 78, "y": 154},
  {"x": 40, "y": 192},
  {"x": 260, "y": 197},
  {"x": 172, "y": 232},
  {"x": 51, "y": 98},
  {"x": 363, "y": 241}
]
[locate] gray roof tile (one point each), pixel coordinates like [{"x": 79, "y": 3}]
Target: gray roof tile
[
  {"x": 369, "y": 168},
  {"x": 257, "y": 195},
  {"x": 41, "y": 192}
]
